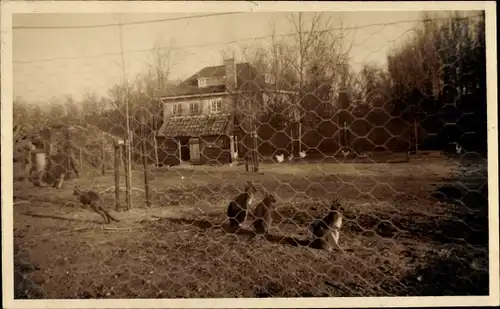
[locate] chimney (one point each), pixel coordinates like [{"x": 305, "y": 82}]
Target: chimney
[{"x": 230, "y": 67}]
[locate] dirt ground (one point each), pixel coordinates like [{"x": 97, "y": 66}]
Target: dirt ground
[{"x": 416, "y": 228}]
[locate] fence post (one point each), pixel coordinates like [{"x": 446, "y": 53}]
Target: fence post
[
  {"x": 144, "y": 159},
  {"x": 416, "y": 134},
  {"x": 103, "y": 156},
  {"x": 255, "y": 153},
  {"x": 127, "y": 175},
  {"x": 67, "y": 154},
  {"x": 118, "y": 155},
  {"x": 146, "y": 174},
  {"x": 155, "y": 145},
  {"x": 247, "y": 155}
]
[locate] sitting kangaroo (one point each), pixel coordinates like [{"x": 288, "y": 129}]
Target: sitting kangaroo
[
  {"x": 237, "y": 209},
  {"x": 326, "y": 231},
  {"x": 263, "y": 214}
]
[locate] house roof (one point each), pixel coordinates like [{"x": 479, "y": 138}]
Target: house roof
[
  {"x": 246, "y": 75},
  {"x": 201, "y": 125},
  {"x": 183, "y": 89}
]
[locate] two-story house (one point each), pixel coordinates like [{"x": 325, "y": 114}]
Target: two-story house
[{"x": 198, "y": 126}]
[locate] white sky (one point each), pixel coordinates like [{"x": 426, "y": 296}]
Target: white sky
[{"x": 85, "y": 71}]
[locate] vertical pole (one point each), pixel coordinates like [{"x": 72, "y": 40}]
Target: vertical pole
[
  {"x": 127, "y": 176},
  {"x": 247, "y": 153},
  {"x": 232, "y": 147},
  {"x": 155, "y": 145},
  {"x": 298, "y": 120},
  {"x": 346, "y": 135},
  {"x": 416, "y": 134},
  {"x": 118, "y": 155},
  {"x": 67, "y": 155},
  {"x": 46, "y": 159},
  {"x": 178, "y": 143},
  {"x": 128, "y": 153},
  {"x": 256, "y": 153},
  {"x": 146, "y": 176},
  {"x": 103, "y": 156},
  {"x": 145, "y": 161}
]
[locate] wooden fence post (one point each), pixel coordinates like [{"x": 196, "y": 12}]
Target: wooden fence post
[
  {"x": 144, "y": 159},
  {"x": 127, "y": 176},
  {"x": 103, "y": 156},
  {"x": 67, "y": 154},
  {"x": 118, "y": 154},
  {"x": 255, "y": 153},
  {"x": 155, "y": 145}
]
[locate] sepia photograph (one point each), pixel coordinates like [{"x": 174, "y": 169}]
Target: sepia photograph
[{"x": 249, "y": 153}]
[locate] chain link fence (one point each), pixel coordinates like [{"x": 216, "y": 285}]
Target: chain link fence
[{"x": 284, "y": 124}]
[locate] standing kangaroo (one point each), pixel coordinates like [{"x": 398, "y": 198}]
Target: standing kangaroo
[
  {"x": 94, "y": 200},
  {"x": 326, "y": 231},
  {"x": 237, "y": 209},
  {"x": 263, "y": 214}
]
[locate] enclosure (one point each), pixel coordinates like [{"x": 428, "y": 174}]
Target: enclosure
[
  {"x": 415, "y": 228},
  {"x": 397, "y": 132}
]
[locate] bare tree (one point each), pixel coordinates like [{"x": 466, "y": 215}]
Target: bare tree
[
  {"x": 309, "y": 62},
  {"x": 159, "y": 73}
]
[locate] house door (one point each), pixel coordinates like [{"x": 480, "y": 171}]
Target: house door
[{"x": 194, "y": 150}]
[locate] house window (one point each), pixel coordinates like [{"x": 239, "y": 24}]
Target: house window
[
  {"x": 194, "y": 108},
  {"x": 202, "y": 82},
  {"x": 216, "y": 105},
  {"x": 177, "y": 109}
]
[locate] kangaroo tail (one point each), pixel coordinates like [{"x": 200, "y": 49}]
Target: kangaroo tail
[{"x": 111, "y": 217}]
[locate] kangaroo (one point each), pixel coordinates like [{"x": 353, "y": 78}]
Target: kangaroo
[
  {"x": 263, "y": 214},
  {"x": 94, "y": 200},
  {"x": 237, "y": 209},
  {"x": 326, "y": 231}
]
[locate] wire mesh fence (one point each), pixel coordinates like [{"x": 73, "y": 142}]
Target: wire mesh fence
[{"x": 282, "y": 166}]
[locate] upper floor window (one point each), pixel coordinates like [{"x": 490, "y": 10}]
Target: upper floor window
[
  {"x": 216, "y": 105},
  {"x": 194, "y": 107},
  {"x": 202, "y": 82},
  {"x": 211, "y": 81},
  {"x": 177, "y": 109}
]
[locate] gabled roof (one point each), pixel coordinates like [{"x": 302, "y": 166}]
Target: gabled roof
[
  {"x": 246, "y": 74},
  {"x": 182, "y": 90},
  {"x": 201, "y": 125}
]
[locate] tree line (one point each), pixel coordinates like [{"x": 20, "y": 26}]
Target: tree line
[
  {"x": 432, "y": 91},
  {"x": 433, "y": 87}
]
